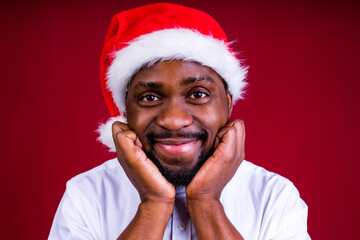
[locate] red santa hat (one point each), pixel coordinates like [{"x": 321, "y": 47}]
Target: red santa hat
[{"x": 161, "y": 31}]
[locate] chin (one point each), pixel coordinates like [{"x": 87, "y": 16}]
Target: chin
[{"x": 180, "y": 176}]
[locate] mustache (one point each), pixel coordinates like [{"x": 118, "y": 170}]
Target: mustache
[{"x": 201, "y": 135}]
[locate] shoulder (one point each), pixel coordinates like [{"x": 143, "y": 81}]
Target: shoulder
[
  {"x": 270, "y": 202},
  {"x": 109, "y": 168},
  {"x": 106, "y": 179},
  {"x": 268, "y": 186},
  {"x": 261, "y": 186},
  {"x": 255, "y": 178},
  {"x": 93, "y": 202}
]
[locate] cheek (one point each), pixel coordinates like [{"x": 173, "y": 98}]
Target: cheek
[
  {"x": 213, "y": 118},
  {"x": 140, "y": 121},
  {"x": 218, "y": 113}
]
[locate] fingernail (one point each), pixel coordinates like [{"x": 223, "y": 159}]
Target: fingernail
[
  {"x": 138, "y": 142},
  {"x": 217, "y": 141}
]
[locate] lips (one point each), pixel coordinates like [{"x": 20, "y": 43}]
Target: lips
[
  {"x": 176, "y": 150},
  {"x": 176, "y": 146}
]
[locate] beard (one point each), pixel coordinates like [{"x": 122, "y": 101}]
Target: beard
[{"x": 180, "y": 177}]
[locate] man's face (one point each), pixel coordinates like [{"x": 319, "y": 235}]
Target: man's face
[{"x": 176, "y": 109}]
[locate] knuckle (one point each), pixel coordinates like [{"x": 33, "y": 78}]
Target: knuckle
[
  {"x": 232, "y": 131},
  {"x": 239, "y": 123},
  {"x": 115, "y": 126},
  {"x": 121, "y": 133},
  {"x": 118, "y": 135},
  {"x": 119, "y": 126}
]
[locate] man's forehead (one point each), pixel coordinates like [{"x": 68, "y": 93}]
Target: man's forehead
[
  {"x": 163, "y": 64},
  {"x": 189, "y": 73}
]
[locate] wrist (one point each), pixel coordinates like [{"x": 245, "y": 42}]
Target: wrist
[
  {"x": 152, "y": 207},
  {"x": 203, "y": 205},
  {"x": 149, "y": 222}
]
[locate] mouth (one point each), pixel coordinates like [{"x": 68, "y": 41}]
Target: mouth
[
  {"x": 176, "y": 150},
  {"x": 177, "y": 146},
  {"x": 177, "y": 153}
]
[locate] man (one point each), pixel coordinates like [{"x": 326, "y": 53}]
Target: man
[{"x": 170, "y": 80}]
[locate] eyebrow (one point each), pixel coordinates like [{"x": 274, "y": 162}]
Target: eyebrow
[
  {"x": 185, "y": 81},
  {"x": 200, "y": 78},
  {"x": 149, "y": 85}
]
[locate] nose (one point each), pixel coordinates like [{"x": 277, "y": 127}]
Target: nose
[{"x": 174, "y": 116}]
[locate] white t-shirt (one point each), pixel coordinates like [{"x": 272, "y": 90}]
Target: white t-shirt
[{"x": 100, "y": 203}]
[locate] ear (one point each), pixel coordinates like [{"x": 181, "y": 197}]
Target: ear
[{"x": 229, "y": 99}]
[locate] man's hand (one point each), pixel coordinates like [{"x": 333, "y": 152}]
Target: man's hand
[
  {"x": 142, "y": 172},
  {"x": 156, "y": 193},
  {"x": 203, "y": 192},
  {"x": 217, "y": 171}
]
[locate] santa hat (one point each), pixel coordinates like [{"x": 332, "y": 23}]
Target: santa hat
[{"x": 161, "y": 31}]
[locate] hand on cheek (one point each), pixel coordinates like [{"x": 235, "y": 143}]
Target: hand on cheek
[
  {"x": 217, "y": 171},
  {"x": 141, "y": 171}
]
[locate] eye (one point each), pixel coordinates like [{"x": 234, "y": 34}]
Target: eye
[
  {"x": 149, "y": 98},
  {"x": 198, "y": 95}
]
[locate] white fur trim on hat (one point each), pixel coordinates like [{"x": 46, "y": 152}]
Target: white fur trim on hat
[
  {"x": 181, "y": 44},
  {"x": 105, "y": 132}
]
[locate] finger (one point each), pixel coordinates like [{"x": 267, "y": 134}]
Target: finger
[
  {"x": 223, "y": 130},
  {"x": 232, "y": 139},
  {"x": 138, "y": 143},
  {"x": 240, "y": 130},
  {"x": 220, "y": 165},
  {"x": 140, "y": 169},
  {"x": 217, "y": 141},
  {"x": 124, "y": 139},
  {"x": 227, "y": 134},
  {"x": 119, "y": 127},
  {"x": 116, "y": 128},
  {"x": 221, "y": 133},
  {"x": 130, "y": 156},
  {"x": 126, "y": 142}
]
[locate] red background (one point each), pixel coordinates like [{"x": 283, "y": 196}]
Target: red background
[{"x": 301, "y": 111}]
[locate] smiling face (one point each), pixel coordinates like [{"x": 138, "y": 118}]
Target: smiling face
[{"x": 176, "y": 109}]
